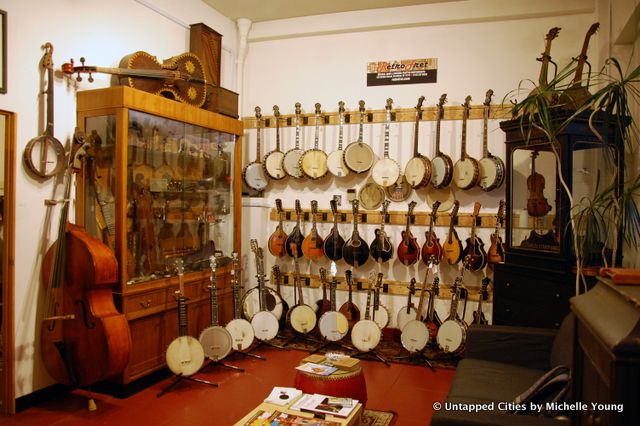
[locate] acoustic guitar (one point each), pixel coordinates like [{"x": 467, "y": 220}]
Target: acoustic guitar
[
  {"x": 452, "y": 247},
  {"x": 295, "y": 237},
  {"x": 465, "y": 170},
  {"x": 356, "y": 249},
  {"x": 441, "y": 165},
  {"x": 474, "y": 253},
  {"x": 381, "y": 248},
  {"x": 417, "y": 172},
  {"x": 432, "y": 250},
  {"x": 385, "y": 171},
  {"x": 334, "y": 242},
  {"x": 273, "y": 160},
  {"x": 349, "y": 309},
  {"x": 278, "y": 238},
  {"x": 408, "y": 249},
  {"x": 313, "y": 244},
  {"x": 492, "y": 170},
  {"x": 335, "y": 160},
  {"x": 496, "y": 251}
]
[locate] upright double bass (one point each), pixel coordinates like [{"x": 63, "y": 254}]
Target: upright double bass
[{"x": 83, "y": 338}]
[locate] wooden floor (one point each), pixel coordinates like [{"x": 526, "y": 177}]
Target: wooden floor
[{"x": 409, "y": 390}]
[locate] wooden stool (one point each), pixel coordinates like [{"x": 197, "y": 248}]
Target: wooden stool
[{"x": 345, "y": 384}]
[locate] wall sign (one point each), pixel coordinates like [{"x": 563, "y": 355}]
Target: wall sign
[{"x": 402, "y": 71}]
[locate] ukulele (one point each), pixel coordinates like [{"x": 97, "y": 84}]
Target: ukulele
[
  {"x": 278, "y": 238},
  {"x": 478, "y": 315},
  {"x": 537, "y": 205},
  {"x": 295, "y": 237},
  {"x": 349, "y": 309},
  {"x": 253, "y": 173},
  {"x": 417, "y": 172},
  {"x": 496, "y": 251},
  {"x": 576, "y": 94},
  {"x": 356, "y": 249},
  {"x": 452, "y": 247},
  {"x": 381, "y": 248},
  {"x": 216, "y": 340},
  {"x": 313, "y": 162},
  {"x": 432, "y": 250},
  {"x": 313, "y": 244},
  {"x": 380, "y": 313},
  {"x": 333, "y": 324},
  {"x": 409, "y": 250},
  {"x": 453, "y": 331},
  {"x": 474, "y": 253},
  {"x": 491, "y": 167},
  {"x": 240, "y": 329},
  {"x": 543, "y": 83},
  {"x": 441, "y": 165},
  {"x": 273, "y": 161},
  {"x": 291, "y": 160},
  {"x": 323, "y": 305},
  {"x": 335, "y": 160},
  {"x": 385, "y": 171},
  {"x": 359, "y": 156},
  {"x": 301, "y": 317},
  {"x": 366, "y": 334},
  {"x": 276, "y": 277},
  {"x": 334, "y": 243},
  {"x": 408, "y": 312},
  {"x": 465, "y": 171}
]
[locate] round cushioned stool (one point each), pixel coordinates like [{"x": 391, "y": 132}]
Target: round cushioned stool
[{"x": 344, "y": 384}]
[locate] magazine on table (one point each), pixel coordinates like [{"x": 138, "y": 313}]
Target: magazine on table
[
  {"x": 317, "y": 403},
  {"x": 319, "y": 369}
]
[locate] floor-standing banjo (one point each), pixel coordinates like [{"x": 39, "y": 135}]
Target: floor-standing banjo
[
  {"x": 253, "y": 173},
  {"x": 417, "y": 172},
  {"x": 291, "y": 160},
  {"x": 273, "y": 160},
  {"x": 356, "y": 249},
  {"x": 366, "y": 334},
  {"x": 240, "y": 329},
  {"x": 185, "y": 355},
  {"x": 349, "y": 309},
  {"x": 407, "y": 313},
  {"x": 335, "y": 161},
  {"x": 333, "y": 324},
  {"x": 264, "y": 322},
  {"x": 215, "y": 340},
  {"x": 358, "y": 156},
  {"x": 313, "y": 162},
  {"x": 380, "y": 313},
  {"x": 432, "y": 250},
  {"x": 441, "y": 165},
  {"x": 465, "y": 170},
  {"x": 334, "y": 242},
  {"x": 278, "y": 238},
  {"x": 385, "y": 171},
  {"x": 313, "y": 244},
  {"x": 260, "y": 298},
  {"x": 302, "y": 317},
  {"x": 491, "y": 167},
  {"x": 381, "y": 247},
  {"x": 453, "y": 331},
  {"x": 415, "y": 333}
]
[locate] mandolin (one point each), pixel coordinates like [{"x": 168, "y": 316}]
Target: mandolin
[
  {"x": 313, "y": 162},
  {"x": 409, "y": 250},
  {"x": 356, "y": 249},
  {"x": 381, "y": 248},
  {"x": 349, "y": 309},
  {"x": 291, "y": 160},
  {"x": 491, "y": 167},
  {"x": 272, "y": 162},
  {"x": 385, "y": 171},
  {"x": 180, "y": 77},
  {"x": 417, "y": 172},
  {"x": 465, "y": 171},
  {"x": 474, "y": 254},
  {"x": 537, "y": 205},
  {"x": 334, "y": 242},
  {"x": 313, "y": 244},
  {"x": 359, "y": 156},
  {"x": 432, "y": 250},
  {"x": 408, "y": 312},
  {"x": 253, "y": 173},
  {"x": 278, "y": 238},
  {"x": 452, "y": 247},
  {"x": 441, "y": 165},
  {"x": 496, "y": 251},
  {"x": 478, "y": 315},
  {"x": 295, "y": 237},
  {"x": 335, "y": 160}
]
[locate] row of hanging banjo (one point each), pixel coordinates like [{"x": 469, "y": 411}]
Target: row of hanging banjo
[{"x": 358, "y": 157}]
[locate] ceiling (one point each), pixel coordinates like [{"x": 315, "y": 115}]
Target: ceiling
[{"x": 268, "y": 10}]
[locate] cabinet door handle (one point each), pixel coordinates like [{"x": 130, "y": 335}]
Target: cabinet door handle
[{"x": 146, "y": 304}]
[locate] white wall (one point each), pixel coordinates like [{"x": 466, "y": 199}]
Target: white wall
[{"x": 103, "y": 32}]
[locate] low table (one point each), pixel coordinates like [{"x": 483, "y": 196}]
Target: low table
[
  {"x": 353, "y": 419},
  {"x": 347, "y": 384}
]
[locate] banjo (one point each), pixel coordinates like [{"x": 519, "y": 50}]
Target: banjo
[
  {"x": 380, "y": 313},
  {"x": 371, "y": 195},
  {"x": 185, "y": 355},
  {"x": 453, "y": 331},
  {"x": 335, "y": 160},
  {"x": 265, "y": 323},
  {"x": 215, "y": 340},
  {"x": 333, "y": 324},
  {"x": 253, "y": 173},
  {"x": 260, "y": 298},
  {"x": 366, "y": 334},
  {"x": 356, "y": 250},
  {"x": 313, "y": 162},
  {"x": 291, "y": 160},
  {"x": 240, "y": 329},
  {"x": 302, "y": 317},
  {"x": 415, "y": 333},
  {"x": 465, "y": 171},
  {"x": 417, "y": 172},
  {"x": 359, "y": 156},
  {"x": 441, "y": 165},
  {"x": 400, "y": 191},
  {"x": 334, "y": 243},
  {"x": 491, "y": 167},
  {"x": 381, "y": 248},
  {"x": 407, "y": 313},
  {"x": 385, "y": 172},
  {"x": 273, "y": 160}
]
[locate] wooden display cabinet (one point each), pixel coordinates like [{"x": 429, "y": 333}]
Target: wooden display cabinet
[{"x": 162, "y": 182}]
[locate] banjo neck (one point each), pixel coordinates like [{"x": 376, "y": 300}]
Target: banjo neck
[
  {"x": 182, "y": 305},
  {"x": 485, "y": 124},
  {"x": 361, "y": 126},
  {"x": 455, "y": 296},
  {"x": 276, "y": 113},
  {"x": 386, "y": 127},
  {"x": 341, "y": 124},
  {"x": 440, "y": 116},
  {"x": 47, "y": 62},
  {"x": 465, "y": 115},
  {"x": 366, "y": 312},
  {"x": 298, "y": 125},
  {"x": 296, "y": 278},
  {"x": 332, "y": 293},
  {"x": 417, "y": 130},
  {"x": 236, "y": 289},
  {"x": 213, "y": 295},
  {"x": 316, "y": 142},
  {"x": 259, "y": 118}
]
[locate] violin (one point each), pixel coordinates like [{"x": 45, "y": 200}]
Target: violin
[{"x": 537, "y": 205}]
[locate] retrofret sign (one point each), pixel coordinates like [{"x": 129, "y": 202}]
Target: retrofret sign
[{"x": 402, "y": 71}]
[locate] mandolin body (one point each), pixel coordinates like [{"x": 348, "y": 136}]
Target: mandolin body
[{"x": 408, "y": 250}]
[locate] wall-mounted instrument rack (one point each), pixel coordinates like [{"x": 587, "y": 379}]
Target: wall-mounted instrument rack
[{"x": 399, "y": 115}]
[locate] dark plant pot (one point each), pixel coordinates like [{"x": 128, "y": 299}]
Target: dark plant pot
[{"x": 593, "y": 255}]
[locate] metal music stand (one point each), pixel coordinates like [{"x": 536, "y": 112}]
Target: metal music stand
[{"x": 179, "y": 378}]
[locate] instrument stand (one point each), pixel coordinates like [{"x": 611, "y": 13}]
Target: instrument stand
[
  {"x": 299, "y": 336},
  {"x": 247, "y": 353},
  {"x": 268, "y": 343},
  {"x": 376, "y": 356},
  {"x": 417, "y": 357},
  {"x": 211, "y": 362},
  {"x": 329, "y": 344},
  {"x": 179, "y": 378}
]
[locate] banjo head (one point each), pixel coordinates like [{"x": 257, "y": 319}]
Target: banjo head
[
  {"x": 415, "y": 336},
  {"x": 333, "y": 326},
  {"x": 451, "y": 336},
  {"x": 371, "y": 196},
  {"x": 381, "y": 317},
  {"x": 444, "y": 195},
  {"x": 303, "y": 319},
  {"x": 254, "y": 176},
  {"x": 242, "y": 334},
  {"x": 216, "y": 342},
  {"x": 358, "y": 157},
  {"x": 291, "y": 163},
  {"x": 441, "y": 171},
  {"x": 265, "y": 325},
  {"x": 273, "y": 165},
  {"x": 313, "y": 164},
  {"x": 335, "y": 164},
  {"x": 185, "y": 356},
  {"x": 417, "y": 172},
  {"x": 365, "y": 335},
  {"x": 399, "y": 191},
  {"x": 465, "y": 173},
  {"x": 403, "y": 317},
  {"x": 491, "y": 173},
  {"x": 251, "y": 303},
  {"x": 385, "y": 172}
]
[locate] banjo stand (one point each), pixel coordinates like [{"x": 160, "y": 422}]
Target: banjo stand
[
  {"x": 179, "y": 378},
  {"x": 371, "y": 355}
]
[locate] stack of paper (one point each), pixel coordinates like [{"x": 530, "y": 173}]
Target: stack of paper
[
  {"x": 320, "y": 369},
  {"x": 317, "y": 403},
  {"x": 283, "y": 396}
]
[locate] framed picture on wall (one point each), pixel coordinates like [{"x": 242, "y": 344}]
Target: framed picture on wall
[{"x": 3, "y": 54}]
